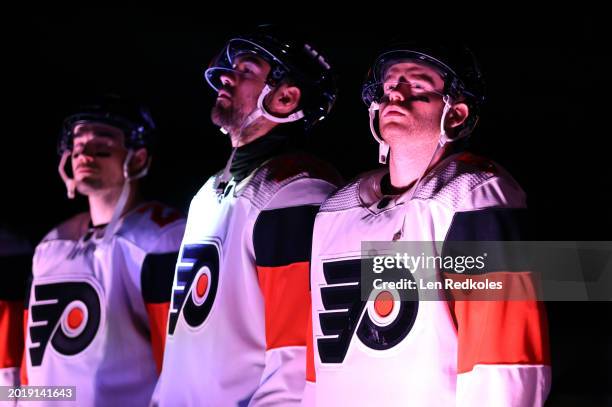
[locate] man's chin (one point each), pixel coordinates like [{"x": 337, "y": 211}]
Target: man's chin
[
  {"x": 223, "y": 117},
  {"x": 394, "y": 129},
  {"x": 87, "y": 186}
]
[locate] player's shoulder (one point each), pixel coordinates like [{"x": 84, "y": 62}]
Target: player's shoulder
[
  {"x": 284, "y": 170},
  {"x": 71, "y": 229},
  {"x": 462, "y": 176},
  {"x": 360, "y": 192},
  {"x": 210, "y": 186},
  {"x": 299, "y": 164},
  {"x": 150, "y": 223}
]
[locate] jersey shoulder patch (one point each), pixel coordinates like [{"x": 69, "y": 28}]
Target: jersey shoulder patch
[{"x": 282, "y": 170}]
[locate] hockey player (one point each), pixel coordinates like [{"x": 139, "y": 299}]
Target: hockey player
[
  {"x": 240, "y": 306},
  {"x": 381, "y": 349},
  {"x": 101, "y": 281}
]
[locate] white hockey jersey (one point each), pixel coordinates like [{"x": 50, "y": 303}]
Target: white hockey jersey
[
  {"x": 97, "y": 311},
  {"x": 237, "y": 324},
  {"x": 422, "y": 353}
]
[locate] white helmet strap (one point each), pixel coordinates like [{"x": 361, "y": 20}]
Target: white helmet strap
[
  {"x": 443, "y": 136},
  {"x": 125, "y": 194},
  {"x": 125, "y": 190},
  {"x": 70, "y": 183},
  {"x": 260, "y": 111},
  {"x": 383, "y": 147}
]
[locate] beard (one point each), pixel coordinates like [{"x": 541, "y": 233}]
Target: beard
[{"x": 227, "y": 115}]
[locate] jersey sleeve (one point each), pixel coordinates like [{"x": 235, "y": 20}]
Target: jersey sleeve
[
  {"x": 157, "y": 275},
  {"x": 308, "y": 398},
  {"x": 503, "y": 355},
  {"x": 16, "y": 269},
  {"x": 282, "y": 239}
]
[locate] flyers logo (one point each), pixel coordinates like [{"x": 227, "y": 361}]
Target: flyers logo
[
  {"x": 67, "y": 315},
  {"x": 380, "y": 323},
  {"x": 195, "y": 284}
]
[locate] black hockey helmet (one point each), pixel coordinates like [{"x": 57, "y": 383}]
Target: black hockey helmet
[
  {"x": 133, "y": 119},
  {"x": 290, "y": 57},
  {"x": 454, "y": 62}
]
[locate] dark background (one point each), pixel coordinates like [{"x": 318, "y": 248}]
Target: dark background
[{"x": 544, "y": 122}]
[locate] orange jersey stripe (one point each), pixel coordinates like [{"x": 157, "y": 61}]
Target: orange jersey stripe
[
  {"x": 311, "y": 374},
  {"x": 158, "y": 319},
  {"x": 11, "y": 333},
  {"x": 502, "y": 332},
  {"x": 24, "y": 364},
  {"x": 287, "y": 303}
]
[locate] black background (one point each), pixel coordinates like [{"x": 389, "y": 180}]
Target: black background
[{"x": 545, "y": 122}]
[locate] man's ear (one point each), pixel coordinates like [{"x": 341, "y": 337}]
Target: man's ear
[
  {"x": 139, "y": 160},
  {"x": 457, "y": 115},
  {"x": 284, "y": 100}
]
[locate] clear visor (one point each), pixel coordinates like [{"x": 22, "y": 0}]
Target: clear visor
[
  {"x": 226, "y": 62},
  {"x": 380, "y": 92},
  {"x": 109, "y": 123},
  {"x": 376, "y": 86}
]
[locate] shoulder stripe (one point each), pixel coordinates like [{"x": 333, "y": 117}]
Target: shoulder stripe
[
  {"x": 157, "y": 276},
  {"x": 486, "y": 230},
  {"x": 284, "y": 236}
]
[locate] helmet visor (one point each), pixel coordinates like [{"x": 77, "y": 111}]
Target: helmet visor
[
  {"x": 376, "y": 85},
  {"x": 380, "y": 92},
  {"x": 226, "y": 62}
]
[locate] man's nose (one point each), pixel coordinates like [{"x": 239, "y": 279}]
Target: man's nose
[
  {"x": 397, "y": 93},
  {"x": 85, "y": 155},
  {"x": 228, "y": 79}
]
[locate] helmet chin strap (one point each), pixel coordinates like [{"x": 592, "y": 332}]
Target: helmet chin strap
[
  {"x": 383, "y": 147},
  {"x": 70, "y": 183},
  {"x": 259, "y": 111},
  {"x": 123, "y": 197},
  {"x": 443, "y": 136},
  {"x": 110, "y": 230}
]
